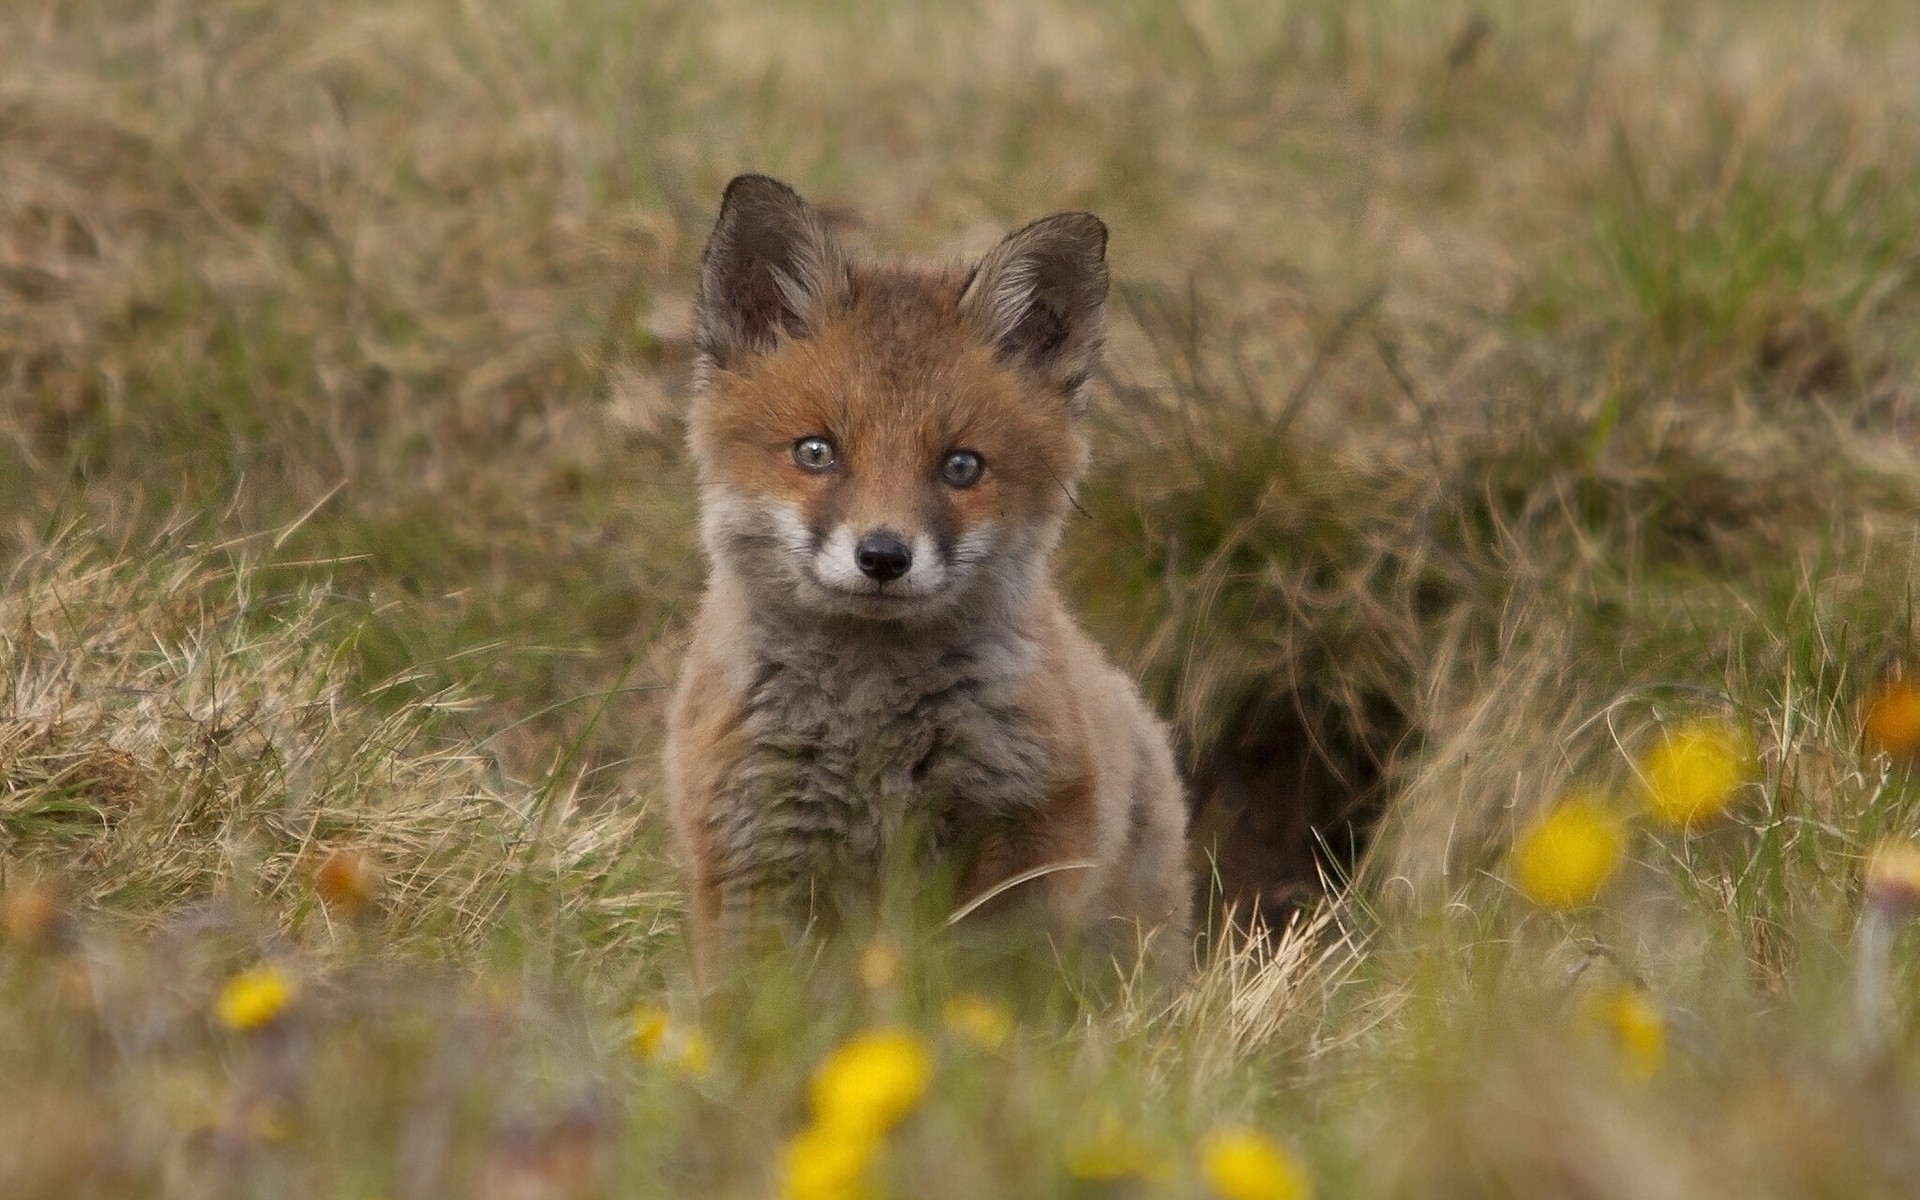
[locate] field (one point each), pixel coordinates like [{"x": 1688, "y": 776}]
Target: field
[{"x": 1501, "y": 398}]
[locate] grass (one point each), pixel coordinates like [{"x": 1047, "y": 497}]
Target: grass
[{"x": 1492, "y": 387}]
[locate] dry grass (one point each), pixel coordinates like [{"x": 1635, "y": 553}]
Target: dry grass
[
  {"x": 177, "y": 730},
  {"x": 1492, "y": 385}
]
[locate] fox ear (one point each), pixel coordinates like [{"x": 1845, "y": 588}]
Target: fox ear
[
  {"x": 1041, "y": 297},
  {"x": 771, "y": 269}
]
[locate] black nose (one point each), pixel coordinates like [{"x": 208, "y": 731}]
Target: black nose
[{"x": 882, "y": 556}]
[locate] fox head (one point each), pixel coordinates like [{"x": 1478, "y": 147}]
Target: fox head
[{"x": 881, "y": 443}]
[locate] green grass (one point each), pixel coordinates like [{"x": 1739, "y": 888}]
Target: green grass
[{"x": 1490, "y": 386}]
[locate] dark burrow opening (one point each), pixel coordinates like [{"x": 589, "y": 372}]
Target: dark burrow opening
[{"x": 1284, "y": 804}]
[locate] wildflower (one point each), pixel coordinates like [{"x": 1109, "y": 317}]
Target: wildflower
[
  {"x": 255, "y": 998},
  {"x": 693, "y": 1056},
  {"x": 1692, "y": 772},
  {"x": 986, "y": 1023},
  {"x": 1243, "y": 1164},
  {"x": 649, "y": 1033},
  {"x": 1893, "y": 875},
  {"x": 862, "y": 1090},
  {"x": 824, "y": 1162},
  {"x": 880, "y": 963},
  {"x": 1892, "y": 720},
  {"x": 1634, "y": 1026},
  {"x": 31, "y": 915},
  {"x": 655, "y": 1038},
  {"x": 1892, "y": 896},
  {"x": 1112, "y": 1152},
  {"x": 347, "y": 882},
  {"x": 1566, "y": 856},
  {"x": 872, "y": 1081}
]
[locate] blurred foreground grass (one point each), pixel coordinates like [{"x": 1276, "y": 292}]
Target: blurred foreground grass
[{"x": 1498, "y": 392}]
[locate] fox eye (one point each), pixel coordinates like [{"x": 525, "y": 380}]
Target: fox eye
[
  {"x": 962, "y": 468},
  {"x": 815, "y": 454}
]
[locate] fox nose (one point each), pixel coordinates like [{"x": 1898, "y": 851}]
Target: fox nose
[{"x": 882, "y": 556}]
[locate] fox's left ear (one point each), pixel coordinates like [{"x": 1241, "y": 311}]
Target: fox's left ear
[{"x": 1041, "y": 297}]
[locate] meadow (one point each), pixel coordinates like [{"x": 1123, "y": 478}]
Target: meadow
[{"x": 1507, "y": 467}]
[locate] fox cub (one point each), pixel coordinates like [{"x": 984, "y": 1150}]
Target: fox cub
[{"x": 882, "y": 677}]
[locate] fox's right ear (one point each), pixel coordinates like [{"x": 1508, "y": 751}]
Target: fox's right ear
[{"x": 771, "y": 269}]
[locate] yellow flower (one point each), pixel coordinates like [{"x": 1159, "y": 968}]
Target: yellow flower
[
  {"x": 1692, "y": 772},
  {"x": 1566, "y": 856},
  {"x": 649, "y": 1031},
  {"x": 1244, "y": 1164},
  {"x": 824, "y": 1162},
  {"x": 655, "y": 1038},
  {"x": 872, "y": 1081},
  {"x": 1893, "y": 875},
  {"x": 860, "y": 1091},
  {"x": 1892, "y": 720},
  {"x": 986, "y": 1023},
  {"x": 693, "y": 1055},
  {"x": 1633, "y": 1024},
  {"x": 255, "y": 998}
]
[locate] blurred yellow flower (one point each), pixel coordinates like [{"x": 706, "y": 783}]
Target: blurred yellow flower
[
  {"x": 860, "y": 1091},
  {"x": 828, "y": 1163},
  {"x": 1693, "y": 771},
  {"x": 1893, "y": 875},
  {"x": 655, "y": 1038},
  {"x": 649, "y": 1033},
  {"x": 1892, "y": 719},
  {"x": 1633, "y": 1026},
  {"x": 255, "y": 998},
  {"x": 871, "y": 1082},
  {"x": 1244, "y": 1164},
  {"x": 693, "y": 1055},
  {"x": 984, "y": 1022},
  {"x": 1112, "y": 1152},
  {"x": 1566, "y": 855}
]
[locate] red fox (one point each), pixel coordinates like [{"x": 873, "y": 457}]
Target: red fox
[{"x": 882, "y": 676}]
